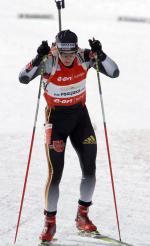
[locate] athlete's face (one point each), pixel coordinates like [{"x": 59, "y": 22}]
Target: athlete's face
[{"x": 67, "y": 58}]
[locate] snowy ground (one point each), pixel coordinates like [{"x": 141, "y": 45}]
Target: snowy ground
[{"x": 127, "y": 107}]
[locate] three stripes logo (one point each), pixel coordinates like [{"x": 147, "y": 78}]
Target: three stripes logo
[{"x": 90, "y": 140}]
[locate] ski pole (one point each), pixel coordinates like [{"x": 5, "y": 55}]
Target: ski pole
[
  {"x": 107, "y": 146},
  {"x": 29, "y": 157},
  {"x": 60, "y": 5}
]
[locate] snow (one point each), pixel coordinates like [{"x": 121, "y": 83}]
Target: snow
[{"x": 127, "y": 107}]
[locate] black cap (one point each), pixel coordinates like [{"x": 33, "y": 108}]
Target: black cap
[{"x": 67, "y": 41}]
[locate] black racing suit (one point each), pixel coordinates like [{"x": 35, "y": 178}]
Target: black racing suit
[{"x": 74, "y": 122}]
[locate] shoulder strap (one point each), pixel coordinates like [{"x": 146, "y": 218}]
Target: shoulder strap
[
  {"x": 54, "y": 64},
  {"x": 81, "y": 60},
  {"x": 54, "y": 53}
]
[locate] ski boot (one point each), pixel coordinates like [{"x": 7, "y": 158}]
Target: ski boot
[
  {"x": 83, "y": 223},
  {"x": 49, "y": 230}
]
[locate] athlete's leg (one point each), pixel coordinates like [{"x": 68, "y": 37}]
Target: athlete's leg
[
  {"x": 55, "y": 149},
  {"x": 84, "y": 141}
]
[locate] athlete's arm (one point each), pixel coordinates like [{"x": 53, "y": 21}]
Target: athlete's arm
[
  {"x": 29, "y": 73},
  {"x": 33, "y": 69},
  {"x": 106, "y": 65}
]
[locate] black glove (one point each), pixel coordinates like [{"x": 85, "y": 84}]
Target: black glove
[
  {"x": 42, "y": 50},
  {"x": 96, "y": 47}
]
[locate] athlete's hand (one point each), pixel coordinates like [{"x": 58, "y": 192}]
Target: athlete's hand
[
  {"x": 96, "y": 46},
  {"x": 43, "y": 49}
]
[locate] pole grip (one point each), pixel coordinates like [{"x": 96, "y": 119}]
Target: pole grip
[{"x": 60, "y": 4}]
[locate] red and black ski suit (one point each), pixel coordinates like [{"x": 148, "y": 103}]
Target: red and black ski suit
[{"x": 67, "y": 116}]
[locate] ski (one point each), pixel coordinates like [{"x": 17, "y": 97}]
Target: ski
[
  {"x": 99, "y": 236},
  {"x": 46, "y": 243},
  {"x": 96, "y": 235}
]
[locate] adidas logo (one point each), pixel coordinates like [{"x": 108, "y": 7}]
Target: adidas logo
[{"x": 90, "y": 140}]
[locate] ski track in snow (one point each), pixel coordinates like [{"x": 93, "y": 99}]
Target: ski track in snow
[{"x": 127, "y": 107}]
